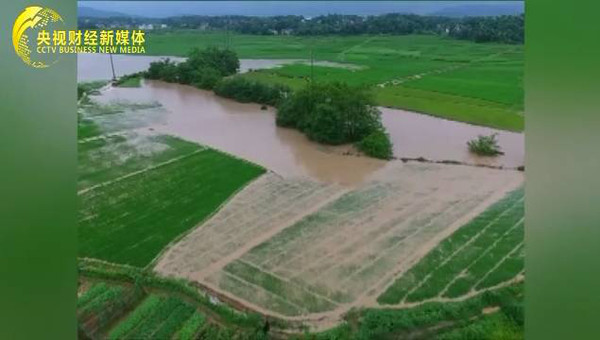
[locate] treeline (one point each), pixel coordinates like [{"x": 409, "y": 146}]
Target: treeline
[
  {"x": 203, "y": 68},
  {"x": 210, "y": 69},
  {"x": 505, "y": 29}
]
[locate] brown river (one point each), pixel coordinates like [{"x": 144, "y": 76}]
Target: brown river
[{"x": 248, "y": 132}]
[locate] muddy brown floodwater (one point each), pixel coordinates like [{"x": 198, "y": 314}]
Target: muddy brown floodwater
[
  {"x": 245, "y": 131},
  {"x": 97, "y": 66},
  {"x": 248, "y": 132}
]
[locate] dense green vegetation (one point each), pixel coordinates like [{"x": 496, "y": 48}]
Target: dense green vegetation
[
  {"x": 130, "y": 80},
  {"x": 336, "y": 113},
  {"x": 485, "y": 145},
  {"x": 163, "y": 308},
  {"x": 203, "y": 68},
  {"x": 435, "y": 320},
  {"x": 139, "y": 192},
  {"x": 468, "y": 259},
  {"x": 507, "y": 29},
  {"x": 89, "y": 88},
  {"x": 247, "y": 90},
  {"x": 459, "y": 80},
  {"x": 123, "y": 220},
  {"x": 377, "y": 144}
]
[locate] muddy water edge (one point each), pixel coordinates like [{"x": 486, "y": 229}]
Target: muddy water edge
[{"x": 249, "y": 132}]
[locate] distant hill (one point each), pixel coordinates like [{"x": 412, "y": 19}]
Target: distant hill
[
  {"x": 471, "y": 10},
  {"x": 96, "y": 13}
]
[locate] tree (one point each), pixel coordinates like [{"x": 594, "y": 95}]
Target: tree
[
  {"x": 225, "y": 61},
  {"x": 331, "y": 113}
]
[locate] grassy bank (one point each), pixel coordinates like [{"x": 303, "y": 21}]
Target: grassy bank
[{"x": 459, "y": 80}]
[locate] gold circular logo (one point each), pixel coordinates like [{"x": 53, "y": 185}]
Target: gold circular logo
[{"x": 32, "y": 34}]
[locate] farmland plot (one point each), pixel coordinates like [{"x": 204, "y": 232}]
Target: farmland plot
[
  {"x": 486, "y": 252},
  {"x": 341, "y": 252},
  {"x": 139, "y": 190}
]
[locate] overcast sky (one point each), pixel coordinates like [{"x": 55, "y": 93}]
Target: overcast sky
[{"x": 161, "y": 9}]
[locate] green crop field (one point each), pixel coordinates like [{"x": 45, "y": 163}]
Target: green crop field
[
  {"x": 123, "y": 302},
  {"x": 139, "y": 191},
  {"x": 459, "y": 80},
  {"x": 496, "y": 314},
  {"x": 484, "y": 253}
]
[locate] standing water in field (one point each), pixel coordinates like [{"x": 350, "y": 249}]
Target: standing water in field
[{"x": 250, "y": 133}]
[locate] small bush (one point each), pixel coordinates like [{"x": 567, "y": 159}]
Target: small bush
[
  {"x": 377, "y": 144},
  {"x": 203, "y": 68},
  {"x": 331, "y": 113},
  {"x": 245, "y": 91},
  {"x": 485, "y": 145},
  {"x": 130, "y": 80},
  {"x": 165, "y": 69}
]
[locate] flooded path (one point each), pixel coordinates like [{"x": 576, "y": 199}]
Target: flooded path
[
  {"x": 248, "y": 132},
  {"x": 97, "y": 66}
]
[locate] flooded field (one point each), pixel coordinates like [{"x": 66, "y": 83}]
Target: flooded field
[
  {"x": 249, "y": 132},
  {"x": 325, "y": 229},
  {"x": 296, "y": 248},
  {"x": 97, "y": 66}
]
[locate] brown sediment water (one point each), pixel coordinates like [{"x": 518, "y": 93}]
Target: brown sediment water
[
  {"x": 248, "y": 132},
  {"x": 417, "y": 135}
]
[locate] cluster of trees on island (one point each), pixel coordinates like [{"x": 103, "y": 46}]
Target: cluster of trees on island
[
  {"x": 504, "y": 29},
  {"x": 328, "y": 113}
]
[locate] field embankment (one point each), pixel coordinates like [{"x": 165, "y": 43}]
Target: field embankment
[{"x": 299, "y": 261}]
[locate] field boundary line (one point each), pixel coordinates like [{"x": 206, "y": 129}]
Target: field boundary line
[
  {"x": 342, "y": 55},
  {"x": 258, "y": 218},
  {"x": 497, "y": 265},
  {"x": 461, "y": 248},
  {"x": 352, "y": 217},
  {"x": 400, "y": 270},
  {"x": 354, "y": 244},
  {"x": 109, "y": 135},
  {"x": 139, "y": 172},
  {"x": 176, "y": 240},
  {"x": 517, "y": 279},
  {"x": 484, "y": 253},
  {"x": 410, "y": 235},
  {"x": 218, "y": 265},
  {"x": 268, "y": 292},
  {"x": 287, "y": 281}
]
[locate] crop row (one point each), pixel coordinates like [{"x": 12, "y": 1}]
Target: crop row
[
  {"x": 461, "y": 260},
  {"x": 102, "y": 304},
  {"x": 124, "y": 221}
]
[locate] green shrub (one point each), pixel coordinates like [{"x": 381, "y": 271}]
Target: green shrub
[
  {"x": 88, "y": 88},
  {"x": 130, "y": 80},
  {"x": 377, "y": 144},
  {"x": 245, "y": 91},
  {"x": 203, "y": 68},
  {"x": 191, "y": 327},
  {"x": 224, "y": 61},
  {"x": 331, "y": 113},
  {"x": 485, "y": 145},
  {"x": 164, "y": 69}
]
